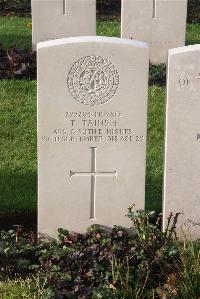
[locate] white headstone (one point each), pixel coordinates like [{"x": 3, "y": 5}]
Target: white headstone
[
  {"x": 53, "y": 19},
  {"x": 92, "y": 105},
  {"x": 160, "y": 23},
  {"x": 182, "y": 145}
]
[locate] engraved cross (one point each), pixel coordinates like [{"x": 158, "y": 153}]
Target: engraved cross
[
  {"x": 154, "y": 9},
  {"x": 93, "y": 174},
  {"x": 65, "y": 7}
]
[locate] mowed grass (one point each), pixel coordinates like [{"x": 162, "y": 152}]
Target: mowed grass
[
  {"x": 14, "y": 30},
  {"x": 18, "y": 167},
  {"x": 18, "y": 172},
  {"x": 193, "y": 34}
]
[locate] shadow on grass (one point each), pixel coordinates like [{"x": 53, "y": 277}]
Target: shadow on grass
[
  {"x": 27, "y": 221},
  {"x": 192, "y": 42},
  {"x": 18, "y": 198},
  {"x": 153, "y": 191}
]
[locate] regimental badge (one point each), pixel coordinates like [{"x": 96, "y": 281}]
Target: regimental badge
[{"x": 93, "y": 80}]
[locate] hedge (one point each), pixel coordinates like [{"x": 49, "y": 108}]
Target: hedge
[{"x": 23, "y": 8}]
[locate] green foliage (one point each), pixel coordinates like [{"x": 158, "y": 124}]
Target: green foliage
[
  {"x": 15, "y": 7},
  {"x": 157, "y": 74},
  {"x": 16, "y": 63},
  {"x": 143, "y": 263},
  {"x": 108, "y": 9},
  {"x": 81, "y": 265},
  {"x": 17, "y": 252}
]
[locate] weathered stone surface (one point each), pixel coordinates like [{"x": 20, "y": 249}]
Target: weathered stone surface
[
  {"x": 160, "y": 23},
  {"x": 182, "y": 145},
  {"x": 53, "y": 19},
  {"x": 92, "y": 105}
]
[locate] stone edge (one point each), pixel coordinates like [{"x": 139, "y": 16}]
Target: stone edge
[{"x": 89, "y": 39}]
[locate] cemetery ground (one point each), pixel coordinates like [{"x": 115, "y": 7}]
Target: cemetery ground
[
  {"x": 18, "y": 190},
  {"x": 80, "y": 266}
]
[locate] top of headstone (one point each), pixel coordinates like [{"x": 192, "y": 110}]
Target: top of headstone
[
  {"x": 184, "y": 49},
  {"x": 95, "y": 39}
]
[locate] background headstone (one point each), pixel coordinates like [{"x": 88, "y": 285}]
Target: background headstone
[
  {"x": 160, "y": 23},
  {"x": 92, "y": 106},
  {"x": 53, "y": 19},
  {"x": 182, "y": 145}
]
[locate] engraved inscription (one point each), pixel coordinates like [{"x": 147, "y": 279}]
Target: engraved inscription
[
  {"x": 95, "y": 126},
  {"x": 93, "y": 80},
  {"x": 191, "y": 81},
  {"x": 93, "y": 174}
]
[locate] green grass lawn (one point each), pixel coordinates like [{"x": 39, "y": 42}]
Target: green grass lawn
[
  {"x": 15, "y": 30},
  {"x": 18, "y": 171},
  {"x": 18, "y": 168},
  {"x": 193, "y": 34}
]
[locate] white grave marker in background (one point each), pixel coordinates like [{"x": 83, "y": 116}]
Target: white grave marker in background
[
  {"x": 53, "y": 19},
  {"x": 182, "y": 140},
  {"x": 160, "y": 23},
  {"x": 92, "y": 106}
]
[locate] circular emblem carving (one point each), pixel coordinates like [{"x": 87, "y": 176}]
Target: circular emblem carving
[{"x": 93, "y": 80}]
